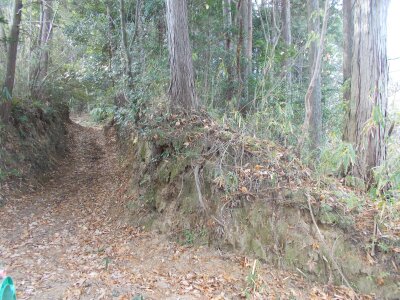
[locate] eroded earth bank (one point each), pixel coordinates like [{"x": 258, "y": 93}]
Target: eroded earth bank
[{"x": 70, "y": 239}]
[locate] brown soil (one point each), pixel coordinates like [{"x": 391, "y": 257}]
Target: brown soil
[{"x": 60, "y": 242}]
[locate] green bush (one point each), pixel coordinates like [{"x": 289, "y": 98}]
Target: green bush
[
  {"x": 336, "y": 157},
  {"x": 102, "y": 113}
]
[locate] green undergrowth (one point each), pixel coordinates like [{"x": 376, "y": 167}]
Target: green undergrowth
[
  {"x": 33, "y": 140},
  {"x": 244, "y": 168},
  {"x": 204, "y": 182},
  {"x": 244, "y": 164}
]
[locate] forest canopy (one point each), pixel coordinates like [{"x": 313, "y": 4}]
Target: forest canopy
[{"x": 310, "y": 75}]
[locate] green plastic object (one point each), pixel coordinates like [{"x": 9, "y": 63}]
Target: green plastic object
[{"x": 7, "y": 290}]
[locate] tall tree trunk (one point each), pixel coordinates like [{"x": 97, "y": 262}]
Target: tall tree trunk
[
  {"x": 47, "y": 29},
  {"x": 312, "y": 127},
  {"x": 3, "y": 36},
  {"x": 227, "y": 15},
  {"x": 110, "y": 31},
  {"x": 45, "y": 34},
  {"x": 275, "y": 33},
  {"x": 242, "y": 42},
  {"x": 315, "y": 106},
  {"x": 181, "y": 90},
  {"x": 287, "y": 39},
  {"x": 29, "y": 43},
  {"x": 348, "y": 33},
  {"x": 137, "y": 19},
  {"x": 249, "y": 43},
  {"x": 124, "y": 35},
  {"x": 5, "y": 106},
  {"x": 244, "y": 50},
  {"x": 35, "y": 71},
  {"x": 286, "y": 22},
  {"x": 138, "y": 36},
  {"x": 365, "y": 126},
  {"x": 239, "y": 46}
]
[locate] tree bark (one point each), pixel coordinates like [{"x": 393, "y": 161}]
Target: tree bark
[
  {"x": 312, "y": 127},
  {"x": 286, "y": 22},
  {"x": 242, "y": 41},
  {"x": 348, "y": 33},
  {"x": 111, "y": 47},
  {"x": 5, "y": 107},
  {"x": 275, "y": 32},
  {"x": 181, "y": 93},
  {"x": 227, "y": 15},
  {"x": 124, "y": 35},
  {"x": 314, "y": 105},
  {"x": 47, "y": 29},
  {"x": 139, "y": 36},
  {"x": 3, "y": 36},
  {"x": 244, "y": 51},
  {"x": 249, "y": 43},
  {"x": 287, "y": 39},
  {"x": 45, "y": 35},
  {"x": 137, "y": 19},
  {"x": 239, "y": 45},
  {"x": 365, "y": 126}
]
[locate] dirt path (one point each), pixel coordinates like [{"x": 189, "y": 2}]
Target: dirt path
[{"x": 59, "y": 243}]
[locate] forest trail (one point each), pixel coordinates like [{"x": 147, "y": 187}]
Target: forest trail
[{"x": 60, "y": 243}]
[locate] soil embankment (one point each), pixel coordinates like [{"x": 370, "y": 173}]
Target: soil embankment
[{"x": 60, "y": 242}]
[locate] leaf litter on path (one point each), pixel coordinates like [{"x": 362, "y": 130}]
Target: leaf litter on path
[{"x": 60, "y": 242}]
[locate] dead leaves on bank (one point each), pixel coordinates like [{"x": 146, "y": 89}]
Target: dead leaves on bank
[
  {"x": 336, "y": 293},
  {"x": 60, "y": 243}
]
